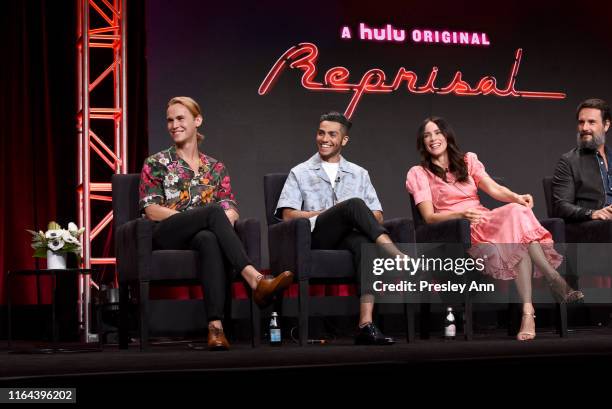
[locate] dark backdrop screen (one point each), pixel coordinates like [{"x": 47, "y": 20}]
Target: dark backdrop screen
[{"x": 220, "y": 52}]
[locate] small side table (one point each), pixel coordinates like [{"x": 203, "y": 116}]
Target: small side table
[{"x": 53, "y": 273}]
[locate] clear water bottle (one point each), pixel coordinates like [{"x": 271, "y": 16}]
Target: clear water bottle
[
  {"x": 450, "y": 328},
  {"x": 275, "y": 332}
]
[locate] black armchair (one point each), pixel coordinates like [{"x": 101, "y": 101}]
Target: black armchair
[
  {"x": 449, "y": 231},
  {"x": 589, "y": 242},
  {"x": 592, "y": 231},
  {"x": 138, "y": 264},
  {"x": 290, "y": 249},
  {"x": 458, "y": 231}
]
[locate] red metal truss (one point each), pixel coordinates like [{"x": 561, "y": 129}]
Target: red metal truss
[{"x": 101, "y": 42}]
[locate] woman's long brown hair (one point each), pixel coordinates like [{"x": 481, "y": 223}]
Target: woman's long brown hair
[{"x": 456, "y": 158}]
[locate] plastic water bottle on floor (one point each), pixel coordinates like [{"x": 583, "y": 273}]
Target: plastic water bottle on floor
[
  {"x": 275, "y": 332},
  {"x": 450, "y": 328}
]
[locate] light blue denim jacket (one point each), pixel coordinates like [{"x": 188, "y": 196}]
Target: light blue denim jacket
[{"x": 308, "y": 187}]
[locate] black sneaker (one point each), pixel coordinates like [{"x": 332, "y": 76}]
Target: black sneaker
[{"x": 371, "y": 335}]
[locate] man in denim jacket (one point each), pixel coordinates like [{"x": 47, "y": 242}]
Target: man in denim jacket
[{"x": 338, "y": 198}]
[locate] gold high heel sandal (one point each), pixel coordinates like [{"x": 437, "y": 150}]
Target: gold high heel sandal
[
  {"x": 563, "y": 293},
  {"x": 526, "y": 335}
]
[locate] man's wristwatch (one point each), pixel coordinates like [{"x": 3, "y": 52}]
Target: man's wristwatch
[{"x": 589, "y": 213}]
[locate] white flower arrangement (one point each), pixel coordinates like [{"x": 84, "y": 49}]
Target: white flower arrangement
[{"x": 57, "y": 240}]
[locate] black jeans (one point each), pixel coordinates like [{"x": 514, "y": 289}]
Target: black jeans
[
  {"x": 346, "y": 226},
  {"x": 208, "y": 231}
]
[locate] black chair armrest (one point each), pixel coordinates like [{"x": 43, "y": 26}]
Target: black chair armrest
[
  {"x": 449, "y": 231},
  {"x": 134, "y": 248},
  {"x": 593, "y": 231},
  {"x": 289, "y": 244},
  {"x": 249, "y": 232},
  {"x": 401, "y": 230},
  {"x": 556, "y": 227}
]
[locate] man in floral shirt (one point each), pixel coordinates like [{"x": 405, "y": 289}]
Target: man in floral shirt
[
  {"x": 190, "y": 197},
  {"x": 167, "y": 180}
]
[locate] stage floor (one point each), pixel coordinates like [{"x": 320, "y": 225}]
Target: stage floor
[{"x": 179, "y": 361}]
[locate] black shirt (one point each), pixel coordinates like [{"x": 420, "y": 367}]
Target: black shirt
[{"x": 606, "y": 174}]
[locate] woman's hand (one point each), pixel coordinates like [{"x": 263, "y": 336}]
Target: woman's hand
[
  {"x": 473, "y": 215},
  {"x": 525, "y": 200}
]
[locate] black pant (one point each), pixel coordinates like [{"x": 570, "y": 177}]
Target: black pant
[
  {"x": 346, "y": 226},
  {"x": 208, "y": 231}
]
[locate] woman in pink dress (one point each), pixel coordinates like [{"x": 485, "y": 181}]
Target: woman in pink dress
[{"x": 445, "y": 186}]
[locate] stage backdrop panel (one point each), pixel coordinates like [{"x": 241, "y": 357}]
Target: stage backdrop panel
[{"x": 220, "y": 53}]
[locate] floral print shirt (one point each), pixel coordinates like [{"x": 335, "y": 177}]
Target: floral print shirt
[{"x": 167, "y": 180}]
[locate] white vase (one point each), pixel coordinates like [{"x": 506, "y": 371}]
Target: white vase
[{"x": 56, "y": 260}]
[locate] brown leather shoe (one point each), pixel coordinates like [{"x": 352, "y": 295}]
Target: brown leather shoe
[
  {"x": 266, "y": 288},
  {"x": 217, "y": 340}
]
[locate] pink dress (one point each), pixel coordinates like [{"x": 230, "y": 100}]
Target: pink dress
[{"x": 503, "y": 234}]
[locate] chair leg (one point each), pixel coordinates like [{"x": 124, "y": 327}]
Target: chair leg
[
  {"x": 303, "y": 311},
  {"x": 468, "y": 320},
  {"x": 513, "y": 324},
  {"x": 409, "y": 318},
  {"x": 255, "y": 324},
  {"x": 143, "y": 297},
  {"x": 425, "y": 319},
  {"x": 124, "y": 315},
  {"x": 562, "y": 324}
]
